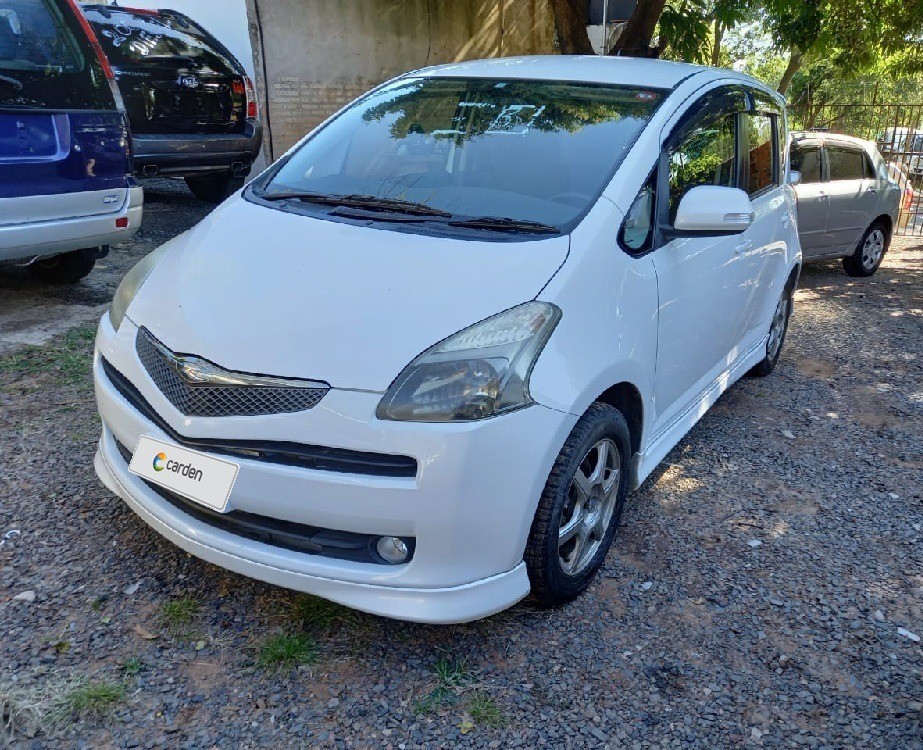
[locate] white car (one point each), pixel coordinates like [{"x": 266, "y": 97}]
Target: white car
[{"x": 416, "y": 366}]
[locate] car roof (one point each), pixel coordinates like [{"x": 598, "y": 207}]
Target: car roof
[
  {"x": 823, "y": 135},
  {"x": 629, "y": 71}
]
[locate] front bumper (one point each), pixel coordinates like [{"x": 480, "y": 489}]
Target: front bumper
[
  {"x": 181, "y": 155},
  {"x": 469, "y": 507},
  {"x": 42, "y": 239}
]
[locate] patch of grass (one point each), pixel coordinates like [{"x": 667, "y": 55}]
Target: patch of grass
[
  {"x": 485, "y": 711},
  {"x": 92, "y": 699},
  {"x": 68, "y": 358},
  {"x": 283, "y": 652},
  {"x": 132, "y": 666},
  {"x": 450, "y": 675},
  {"x": 178, "y": 615},
  {"x": 318, "y": 616}
]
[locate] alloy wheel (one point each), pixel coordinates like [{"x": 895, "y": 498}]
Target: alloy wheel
[
  {"x": 592, "y": 497},
  {"x": 777, "y": 329},
  {"x": 872, "y": 249}
]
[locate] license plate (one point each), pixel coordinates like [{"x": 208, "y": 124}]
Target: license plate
[{"x": 205, "y": 479}]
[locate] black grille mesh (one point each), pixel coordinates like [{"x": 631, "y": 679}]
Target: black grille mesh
[{"x": 219, "y": 401}]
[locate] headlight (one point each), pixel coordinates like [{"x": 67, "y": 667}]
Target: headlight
[
  {"x": 130, "y": 286},
  {"x": 476, "y": 373}
]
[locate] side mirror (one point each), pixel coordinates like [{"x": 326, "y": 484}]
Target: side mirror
[
  {"x": 794, "y": 177},
  {"x": 711, "y": 209}
]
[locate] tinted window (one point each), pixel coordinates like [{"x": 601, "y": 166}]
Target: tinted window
[
  {"x": 845, "y": 163},
  {"x": 159, "y": 39},
  {"x": 529, "y": 150},
  {"x": 46, "y": 60},
  {"x": 706, "y": 155},
  {"x": 762, "y": 156},
  {"x": 806, "y": 159}
]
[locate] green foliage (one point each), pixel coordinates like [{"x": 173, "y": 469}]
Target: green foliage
[
  {"x": 68, "y": 359},
  {"x": 178, "y": 614},
  {"x": 283, "y": 652},
  {"x": 93, "y": 699},
  {"x": 485, "y": 711}
]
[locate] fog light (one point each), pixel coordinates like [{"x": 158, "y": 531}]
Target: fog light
[{"x": 392, "y": 549}]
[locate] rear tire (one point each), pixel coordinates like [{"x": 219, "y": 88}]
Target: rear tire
[
  {"x": 777, "y": 330},
  {"x": 869, "y": 252},
  {"x": 214, "y": 188},
  {"x": 68, "y": 268},
  {"x": 577, "y": 517}
]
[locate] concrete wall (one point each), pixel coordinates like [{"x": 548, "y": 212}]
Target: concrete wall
[{"x": 314, "y": 56}]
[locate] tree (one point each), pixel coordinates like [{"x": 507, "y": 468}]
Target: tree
[
  {"x": 635, "y": 39},
  {"x": 570, "y": 22}
]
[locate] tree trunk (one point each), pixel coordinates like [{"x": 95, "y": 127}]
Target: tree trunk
[
  {"x": 570, "y": 24},
  {"x": 794, "y": 63},
  {"x": 635, "y": 39},
  {"x": 716, "y": 44}
]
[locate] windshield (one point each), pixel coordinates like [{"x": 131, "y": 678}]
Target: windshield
[
  {"x": 531, "y": 151},
  {"x": 45, "y": 59}
]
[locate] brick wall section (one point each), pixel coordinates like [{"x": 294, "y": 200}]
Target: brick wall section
[{"x": 299, "y": 105}]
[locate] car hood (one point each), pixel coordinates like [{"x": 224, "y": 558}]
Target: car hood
[{"x": 259, "y": 290}]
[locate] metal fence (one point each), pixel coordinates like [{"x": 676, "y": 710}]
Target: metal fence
[{"x": 898, "y": 131}]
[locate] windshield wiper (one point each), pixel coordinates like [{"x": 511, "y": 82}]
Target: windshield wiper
[
  {"x": 14, "y": 82},
  {"x": 367, "y": 202},
  {"x": 503, "y": 224}
]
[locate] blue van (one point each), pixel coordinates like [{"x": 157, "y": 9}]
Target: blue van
[{"x": 66, "y": 186}]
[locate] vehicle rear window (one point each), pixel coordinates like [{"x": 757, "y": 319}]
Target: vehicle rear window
[
  {"x": 158, "y": 39},
  {"x": 46, "y": 62},
  {"x": 845, "y": 163}
]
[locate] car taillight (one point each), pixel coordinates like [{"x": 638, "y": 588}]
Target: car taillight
[
  {"x": 252, "y": 109},
  {"x": 908, "y": 197},
  {"x": 100, "y": 55}
]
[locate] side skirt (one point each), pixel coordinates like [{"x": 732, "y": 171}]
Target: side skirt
[{"x": 645, "y": 462}]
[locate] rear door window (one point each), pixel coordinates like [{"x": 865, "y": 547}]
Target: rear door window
[
  {"x": 158, "y": 39},
  {"x": 46, "y": 62},
  {"x": 845, "y": 163},
  {"x": 806, "y": 160}
]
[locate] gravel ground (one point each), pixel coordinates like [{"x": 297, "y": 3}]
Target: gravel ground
[{"x": 766, "y": 590}]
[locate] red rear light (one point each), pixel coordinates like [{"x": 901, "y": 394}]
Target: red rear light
[
  {"x": 253, "y": 110},
  {"x": 121, "y": 223},
  {"x": 100, "y": 55}
]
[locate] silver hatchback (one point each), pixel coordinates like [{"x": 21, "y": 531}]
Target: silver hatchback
[{"x": 847, "y": 203}]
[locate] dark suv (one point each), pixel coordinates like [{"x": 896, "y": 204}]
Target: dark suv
[{"x": 192, "y": 109}]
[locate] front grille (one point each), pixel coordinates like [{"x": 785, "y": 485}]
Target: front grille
[
  {"x": 298, "y": 537},
  {"x": 300, "y": 455},
  {"x": 198, "y": 400}
]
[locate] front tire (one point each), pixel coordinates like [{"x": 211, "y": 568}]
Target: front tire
[
  {"x": 869, "y": 252},
  {"x": 580, "y": 507},
  {"x": 214, "y": 188},
  {"x": 67, "y": 268}
]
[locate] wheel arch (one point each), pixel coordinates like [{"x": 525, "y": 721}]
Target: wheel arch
[
  {"x": 627, "y": 399},
  {"x": 886, "y": 220}
]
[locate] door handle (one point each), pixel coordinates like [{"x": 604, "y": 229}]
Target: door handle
[{"x": 742, "y": 247}]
